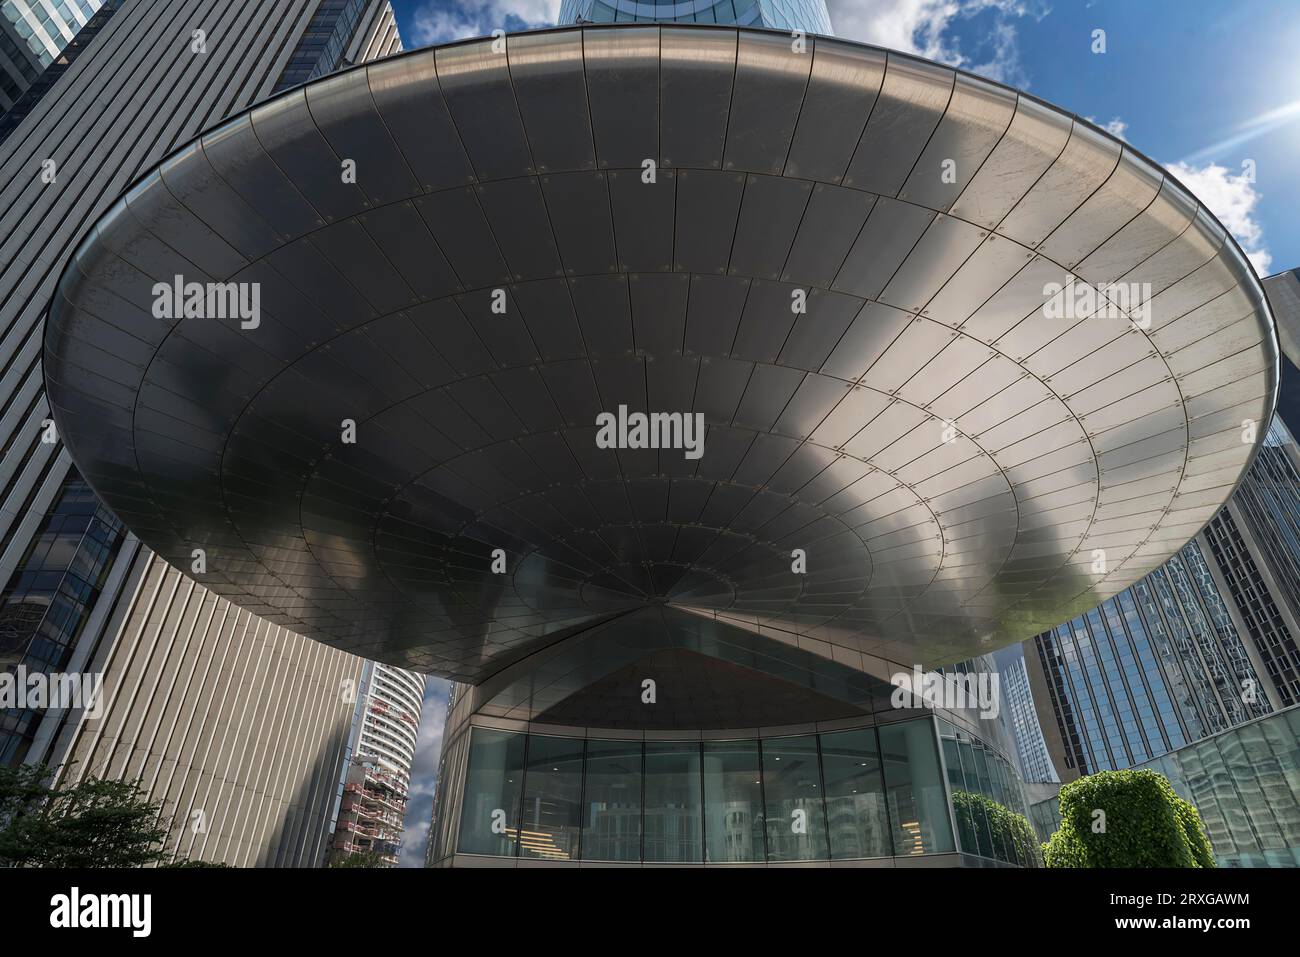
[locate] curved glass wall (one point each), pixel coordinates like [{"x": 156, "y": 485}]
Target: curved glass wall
[
  {"x": 873, "y": 792},
  {"x": 1246, "y": 785},
  {"x": 988, "y": 801}
]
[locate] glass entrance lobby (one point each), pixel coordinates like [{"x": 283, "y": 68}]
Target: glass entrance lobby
[{"x": 918, "y": 790}]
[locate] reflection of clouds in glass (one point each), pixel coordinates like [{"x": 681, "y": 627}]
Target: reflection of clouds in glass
[
  {"x": 424, "y": 773},
  {"x": 440, "y": 21}
]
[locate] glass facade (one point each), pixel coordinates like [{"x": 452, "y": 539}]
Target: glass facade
[
  {"x": 874, "y": 792},
  {"x": 33, "y": 66},
  {"x": 49, "y": 596},
  {"x": 1268, "y": 503},
  {"x": 988, "y": 800},
  {"x": 733, "y": 803},
  {"x": 1147, "y": 671},
  {"x": 1035, "y": 762},
  {"x": 320, "y": 49},
  {"x": 611, "y": 802},
  {"x": 807, "y": 15},
  {"x": 45, "y": 28},
  {"x": 1244, "y": 782},
  {"x": 1246, "y": 785},
  {"x": 493, "y": 789},
  {"x": 1205, "y": 643}
]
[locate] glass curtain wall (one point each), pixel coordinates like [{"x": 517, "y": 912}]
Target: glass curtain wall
[
  {"x": 611, "y": 804},
  {"x": 988, "y": 801},
  {"x": 733, "y": 803},
  {"x": 864, "y": 793}
]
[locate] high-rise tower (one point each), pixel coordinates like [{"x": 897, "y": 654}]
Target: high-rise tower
[
  {"x": 235, "y": 724},
  {"x": 32, "y": 37},
  {"x": 378, "y": 780},
  {"x": 808, "y": 15}
]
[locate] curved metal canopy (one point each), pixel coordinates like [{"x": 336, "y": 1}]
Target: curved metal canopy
[{"x": 961, "y": 465}]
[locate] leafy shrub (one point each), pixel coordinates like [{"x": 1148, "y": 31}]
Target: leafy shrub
[
  {"x": 1143, "y": 824},
  {"x": 1194, "y": 830}
]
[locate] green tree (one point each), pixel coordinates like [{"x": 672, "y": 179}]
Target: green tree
[
  {"x": 361, "y": 859},
  {"x": 1127, "y": 819},
  {"x": 92, "y": 823}
]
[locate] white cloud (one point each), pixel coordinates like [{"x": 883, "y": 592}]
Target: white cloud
[
  {"x": 424, "y": 774},
  {"x": 415, "y": 839},
  {"x": 926, "y": 28},
  {"x": 1233, "y": 198},
  {"x": 1116, "y": 127},
  {"x": 442, "y": 21}
]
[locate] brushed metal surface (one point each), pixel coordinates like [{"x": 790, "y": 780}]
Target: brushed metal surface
[{"x": 949, "y": 457}]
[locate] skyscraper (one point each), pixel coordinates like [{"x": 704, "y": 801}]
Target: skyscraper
[
  {"x": 808, "y": 15},
  {"x": 1255, "y": 542},
  {"x": 1035, "y": 762},
  {"x": 32, "y": 36},
  {"x": 375, "y": 791},
  {"x": 236, "y": 725},
  {"x": 36, "y": 86}
]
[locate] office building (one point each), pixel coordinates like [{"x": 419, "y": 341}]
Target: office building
[
  {"x": 1213, "y": 630},
  {"x": 807, "y": 15},
  {"x": 1207, "y": 642},
  {"x": 33, "y": 34},
  {"x": 1035, "y": 761},
  {"x": 32, "y": 92},
  {"x": 238, "y": 727}
]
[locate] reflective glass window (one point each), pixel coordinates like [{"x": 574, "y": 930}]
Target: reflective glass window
[
  {"x": 972, "y": 824},
  {"x": 917, "y": 804},
  {"x": 672, "y": 802},
  {"x": 552, "y": 814},
  {"x": 611, "y": 803},
  {"x": 489, "y": 820},
  {"x": 792, "y": 793},
  {"x": 733, "y": 802},
  {"x": 856, "y": 816}
]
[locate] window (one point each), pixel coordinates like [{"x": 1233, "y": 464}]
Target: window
[
  {"x": 489, "y": 822},
  {"x": 856, "y": 816},
  {"x": 552, "y": 814},
  {"x": 733, "y": 802},
  {"x": 796, "y": 824},
  {"x": 611, "y": 803},
  {"x": 672, "y": 802},
  {"x": 917, "y": 804}
]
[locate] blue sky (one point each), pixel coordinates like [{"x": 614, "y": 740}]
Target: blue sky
[
  {"x": 1204, "y": 84},
  {"x": 1201, "y": 86}
]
